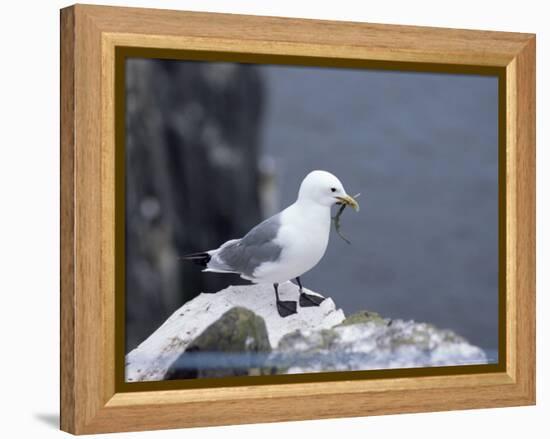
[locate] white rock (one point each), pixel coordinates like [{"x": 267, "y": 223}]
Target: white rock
[
  {"x": 375, "y": 345},
  {"x": 150, "y": 360}
]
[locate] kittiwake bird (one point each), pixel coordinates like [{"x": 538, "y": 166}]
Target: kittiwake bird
[{"x": 286, "y": 245}]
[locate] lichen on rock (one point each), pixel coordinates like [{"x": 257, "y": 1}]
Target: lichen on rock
[
  {"x": 231, "y": 346},
  {"x": 364, "y": 317}
]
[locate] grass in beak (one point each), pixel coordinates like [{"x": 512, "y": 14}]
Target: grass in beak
[{"x": 336, "y": 218}]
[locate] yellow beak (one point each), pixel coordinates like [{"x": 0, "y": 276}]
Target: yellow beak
[{"x": 349, "y": 201}]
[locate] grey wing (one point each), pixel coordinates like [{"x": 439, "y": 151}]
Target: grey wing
[{"x": 256, "y": 247}]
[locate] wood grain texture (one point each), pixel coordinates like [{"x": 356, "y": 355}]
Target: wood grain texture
[
  {"x": 90, "y": 35},
  {"x": 525, "y": 245},
  {"x": 311, "y": 37},
  {"x": 67, "y": 254},
  {"x": 511, "y": 216},
  {"x": 90, "y": 314}
]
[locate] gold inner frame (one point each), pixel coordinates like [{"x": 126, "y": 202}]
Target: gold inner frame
[{"x": 121, "y": 52}]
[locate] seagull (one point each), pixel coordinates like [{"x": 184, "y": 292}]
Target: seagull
[{"x": 286, "y": 245}]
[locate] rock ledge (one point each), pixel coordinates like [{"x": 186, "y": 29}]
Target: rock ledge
[
  {"x": 238, "y": 331},
  {"x": 152, "y": 358}
]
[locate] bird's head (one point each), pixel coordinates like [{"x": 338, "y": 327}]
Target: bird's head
[{"x": 324, "y": 188}]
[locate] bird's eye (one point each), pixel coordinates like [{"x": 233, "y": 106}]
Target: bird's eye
[{"x": 333, "y": 189}]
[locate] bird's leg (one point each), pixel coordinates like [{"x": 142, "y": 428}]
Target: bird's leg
[
  {"x": 284, "y": 307},
  {"x": 308, "y": 299}
]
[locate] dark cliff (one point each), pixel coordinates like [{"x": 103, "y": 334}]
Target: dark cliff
[{"x": 192, "y": 147}]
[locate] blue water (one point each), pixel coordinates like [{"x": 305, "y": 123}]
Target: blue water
[{"x": 422, "y": 150}]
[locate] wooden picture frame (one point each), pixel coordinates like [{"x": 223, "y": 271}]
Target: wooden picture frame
[{"x": 92, "y": 401}]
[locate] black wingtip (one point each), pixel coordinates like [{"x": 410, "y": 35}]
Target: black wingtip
[{"x": 201, "y": 259}]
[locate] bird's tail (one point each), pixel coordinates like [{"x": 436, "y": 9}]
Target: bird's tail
[{"x": 202, "y": 258}]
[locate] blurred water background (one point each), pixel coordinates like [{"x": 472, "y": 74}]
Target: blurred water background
[{"x": 212, "y": 148}]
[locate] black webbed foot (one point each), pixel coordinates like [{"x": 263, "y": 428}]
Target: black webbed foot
[
  {"x": 310, "y": 300},
  {"x": 286, "y": 308}
]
